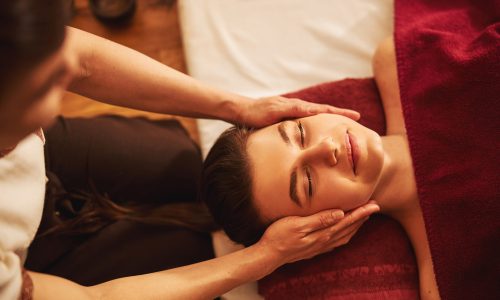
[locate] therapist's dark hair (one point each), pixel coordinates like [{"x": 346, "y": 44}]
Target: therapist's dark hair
[
  {"x": 226, "y": 187},
  {"x": 30, "y": 31}
]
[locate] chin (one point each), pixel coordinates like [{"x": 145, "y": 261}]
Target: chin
[{"x": 48, "y": 121}]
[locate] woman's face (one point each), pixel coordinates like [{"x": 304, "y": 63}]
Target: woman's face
[
  {"x": 33, "y": 99},
  {"x": 303, "y": 166}
]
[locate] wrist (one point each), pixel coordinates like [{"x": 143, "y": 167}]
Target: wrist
[
  {"x": 233, "y": 109},
  {"x": 271, "y": 257}
]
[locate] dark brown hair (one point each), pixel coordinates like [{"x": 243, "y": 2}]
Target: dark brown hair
[
  {"x": 226, "y": 187},
  {"x": 85, "y": 212},
  {"x": 30, "y": 31}
]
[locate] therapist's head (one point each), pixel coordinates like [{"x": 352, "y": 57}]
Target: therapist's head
[
  {"x": 298, "y": 167},
  {"x": 35, "y": 69}
]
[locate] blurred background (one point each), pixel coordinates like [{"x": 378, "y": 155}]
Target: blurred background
[{"x": 152, "y": 27}]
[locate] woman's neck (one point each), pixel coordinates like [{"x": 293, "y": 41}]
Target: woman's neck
[
  {"x": 396, "y": 189},
  {"x": 397, "y": 197}
]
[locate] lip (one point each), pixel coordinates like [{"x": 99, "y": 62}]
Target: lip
[{"x": 354, "y": 151}]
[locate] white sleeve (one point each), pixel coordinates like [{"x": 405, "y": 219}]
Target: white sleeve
[
  {"x": 10, "y": 275},
  {"x": 22, "y": 191}
]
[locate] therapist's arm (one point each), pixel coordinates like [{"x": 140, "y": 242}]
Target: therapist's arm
[
  {"x": 203, "y": 280},
  {"x": 287, "y": 240},
  {"x": 118, "y": 75}
]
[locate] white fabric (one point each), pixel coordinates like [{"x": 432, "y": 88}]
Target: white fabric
[
  {"x": 268, "y": 47},
  {"x": 22, "y": 190}
]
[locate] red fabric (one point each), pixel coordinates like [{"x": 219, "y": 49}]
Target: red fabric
[
  {"x": 449, "y": 75},
  {"x": 378, "y": 263},
  {"x": 448, "y": 55}
]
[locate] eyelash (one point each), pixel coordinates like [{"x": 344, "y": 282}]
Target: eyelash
[
  {"x": 306, "y": 169},
  {"x": 308, "y": 174}
]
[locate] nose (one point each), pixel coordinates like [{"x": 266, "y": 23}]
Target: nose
[{"x": 325, "y": 150}]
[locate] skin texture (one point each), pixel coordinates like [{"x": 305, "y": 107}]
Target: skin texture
[
  {"x": 316, "y": 147},
  {"x": 108, "y": 72}
]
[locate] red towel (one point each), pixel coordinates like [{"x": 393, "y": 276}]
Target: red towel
[{"x": 448, "y": 55}]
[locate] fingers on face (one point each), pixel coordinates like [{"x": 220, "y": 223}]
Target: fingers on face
[
  {"x": 327, "y": 230},
  {"x": 365, "y": 210},
  {"x": 321, "y": 220},
  {"x": 360, "y": 214},
  {"x": 284, "y": 108},
  {"x": 314, "y": 109},
  {"x": 344, "y": 236},
  {"x": 353, "y": 115},
  {"x": 335, "y": 220},
  {"x": 324, "y": 241},
  {"x": 301, "y": 108},
  {"x": 350, "y": 230},
  {"x": 324, "y": 108},
  {"x": 345, "y": 112}
]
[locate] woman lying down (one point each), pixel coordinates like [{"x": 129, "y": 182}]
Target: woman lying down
[{"x": 300, "y": 167}]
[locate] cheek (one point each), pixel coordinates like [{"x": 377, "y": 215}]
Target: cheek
[{"x": 344, "y": 194}]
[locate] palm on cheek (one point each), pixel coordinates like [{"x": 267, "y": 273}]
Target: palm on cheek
[{"x": 295, "y": 238}]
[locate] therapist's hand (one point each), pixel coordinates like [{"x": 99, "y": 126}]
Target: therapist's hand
[
  {"x": 270, "y": 110},
  {"x": 295, "y": 238}
]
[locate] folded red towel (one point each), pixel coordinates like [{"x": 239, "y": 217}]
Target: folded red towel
[{"x": 448, "y": 55}]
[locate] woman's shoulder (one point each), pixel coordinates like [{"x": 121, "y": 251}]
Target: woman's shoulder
[{"x": 386, "y": 76}]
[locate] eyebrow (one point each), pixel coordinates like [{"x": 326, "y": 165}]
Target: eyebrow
[
  {"x": 293, "y": 176},
  {"x": 283, "y": 134},
  {"x": 293, "y": 187}
]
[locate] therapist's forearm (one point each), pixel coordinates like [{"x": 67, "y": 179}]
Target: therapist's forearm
[
  {"x": 118, "y": 75},
  {"x": 204, "y": 280}
]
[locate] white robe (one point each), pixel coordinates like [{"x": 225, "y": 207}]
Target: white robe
[{"x": 22, "y": 191}]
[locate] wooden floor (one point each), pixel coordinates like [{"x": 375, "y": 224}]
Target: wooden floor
[{"x": 154, "y": 31}]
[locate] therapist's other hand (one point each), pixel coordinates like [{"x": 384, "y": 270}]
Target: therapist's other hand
[
  {"x": 270, "y": 110},
  {"x": 296, "y": 238}
]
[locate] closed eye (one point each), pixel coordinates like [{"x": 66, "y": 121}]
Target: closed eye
[
  {"x": 306, "y": 169},
  {"x": 309, "y": 180}
]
